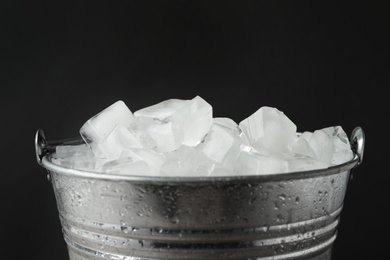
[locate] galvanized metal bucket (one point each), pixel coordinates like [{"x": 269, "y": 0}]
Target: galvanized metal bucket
[{"x": 279, "y": 216}]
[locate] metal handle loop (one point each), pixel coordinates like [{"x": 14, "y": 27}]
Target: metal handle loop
[
  {"x": 42, "y": 146},
  {"x": 357, "y": 141}
]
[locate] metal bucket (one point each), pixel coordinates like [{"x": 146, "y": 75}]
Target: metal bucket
[{"x": 280, "y": 216}]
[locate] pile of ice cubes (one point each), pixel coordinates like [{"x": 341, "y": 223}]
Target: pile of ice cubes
[{"x": 181, "y": 138}]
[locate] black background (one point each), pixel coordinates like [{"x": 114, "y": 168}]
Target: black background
[{"x": 321, "y": 63}]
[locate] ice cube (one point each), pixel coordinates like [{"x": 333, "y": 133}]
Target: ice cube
[
  {"x": 126, "y": 166},
  {"x": 120, "y": 138},
  {"x": 331, "y": 145},
  {"x": 198, "y": 115},
  {"x": 186, "y": 161},
  {"x": 298, "y": 162},
  {"x": 228, "y": 123},
  {"x": 269, "y": 128},
  {"x": 253, "y": 163},
  {"x": 222, "y": 144},
  {"x": 322, "y": 145},
  {"x": 63, "y": 151},
  {"x": 180, "y": 138},
  {"x": 87, "y": 163},
  {"x": 77, "y": 157},
  {"x": 156, "y": 127},
  {"x": 222, "y": 171},
  {"x": 154, "y": 160},
  {"x": 171, "y": 123},
  {"x": 305, "y": 163},
  {"x": 341, "y": 152},
  {"x": 97, "y": 127},
  {"x": 306, "y": 135},
  {"x": 301, "y": 146}
]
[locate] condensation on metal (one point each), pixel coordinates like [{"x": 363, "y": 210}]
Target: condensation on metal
[
  {"x": 280, "y": 217},
  {"x": 240, "y": 219}
]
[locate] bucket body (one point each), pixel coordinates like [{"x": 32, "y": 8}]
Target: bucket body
[{"x": 285, "y": 216}]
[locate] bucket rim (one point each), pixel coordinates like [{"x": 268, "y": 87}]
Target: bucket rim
[{"x": 347, "y": 166}]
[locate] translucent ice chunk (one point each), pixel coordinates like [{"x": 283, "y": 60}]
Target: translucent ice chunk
[
  {"x": 228, "y": 124},
  {"x": 153, "y": 159},
  {"x": 186, "y": 161},
  {"x": 233, "y": 126},
  {"x": 116, "y": 141},
  {"x": 305, "y": 164},
  {"x": 322, "y": 145},
  {"x": 343, "y": 152},
  {"x": 222, "y": 144},
  {"x": 167, "y": 125},
  {"x": 298, "y": 162},
  {"x": 269, "y": 128},
  {"x": 301, "y": 146},
  {"x": 253, "y": 163},
  {"x": 198, "y": 119},
  {"x": 63, "y": 151},
  {"x": 306, "y": 135},
  {"x": 180, "y": 138},
  {"x": 157, "y": 127},
  {"x": 77, "y": 157},
  {"x": 126, "y": 166},
  {"x": 96, "y": 128},
  {"x": 222, "y": 171},
  {"x": 87, "y": 163},
  {"x": 331, "y": 145}
]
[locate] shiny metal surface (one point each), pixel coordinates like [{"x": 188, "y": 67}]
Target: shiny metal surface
[
  {"x": 357, "y": 141},
  {"x": 43, "y": 147},
  {"x": 285, "y": 216}
]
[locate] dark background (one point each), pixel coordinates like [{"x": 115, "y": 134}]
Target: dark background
[{"x": 321, "y": 63}]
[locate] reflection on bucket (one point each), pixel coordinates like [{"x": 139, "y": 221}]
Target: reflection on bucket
[{"x": 285, "y": 216}]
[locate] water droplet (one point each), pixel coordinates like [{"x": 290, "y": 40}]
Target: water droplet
[
  {"x": 122, "y": 212},
  {"x": 251, "y": 200},
  {"x": 288, "y": 226},
  {"x": 124, "y": 230},
  {"x": 142, "y": 190},
  {"x": 174, "y": 220}
]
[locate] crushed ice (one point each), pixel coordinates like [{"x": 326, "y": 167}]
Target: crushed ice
[{"x": 181, "y": 138}]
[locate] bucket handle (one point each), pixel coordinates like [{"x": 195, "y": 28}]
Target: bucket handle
[
  {"x": 42, "y": 146},
  {"x": 357, "y": 141}
]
